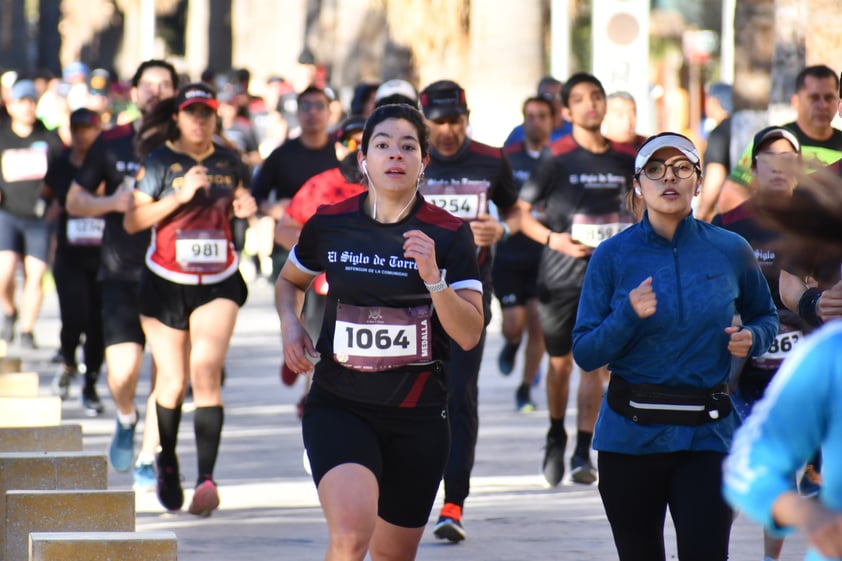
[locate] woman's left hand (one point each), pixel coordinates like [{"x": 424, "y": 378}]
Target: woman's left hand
[
  {"x": 420, "y": 246},
  {"x": 244, "y": 205},
  {"x": 740, "y": 341}
]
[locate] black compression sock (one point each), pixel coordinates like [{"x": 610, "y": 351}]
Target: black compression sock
[
  {"x": 207, "y": 424},
  {"x": 583, "y": 444},
  {"x": 168, "y": 421}
]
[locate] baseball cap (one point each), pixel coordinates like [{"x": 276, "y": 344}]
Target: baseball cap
[
  {"x": 444, "y": 98},
  {"x": 23, "y": 89},
  {"x": 75, "y": 69},
  {"x": 769, "y": 134},
  {"x": 84, "y": 117},
  {"x": 665, "y": 140},
  {"x": 197, "y": 92},
  {"x": 396, "y": 87},
  {"x": 348, "y": 127},
  {"x": 99, "y": 82}
]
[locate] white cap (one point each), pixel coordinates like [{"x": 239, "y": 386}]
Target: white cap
[
  {"x": 396, "y": 87},
  {"x": 665, "y": 140}
]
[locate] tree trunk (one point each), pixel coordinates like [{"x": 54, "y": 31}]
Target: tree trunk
[{"x": 752, "y": 68}]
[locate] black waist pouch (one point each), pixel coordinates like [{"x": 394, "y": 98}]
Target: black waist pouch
[{"x": 651, "y": 404}]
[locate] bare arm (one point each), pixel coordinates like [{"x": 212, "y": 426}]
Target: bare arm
[
  {"x": 144, "y": 211},
  {"x": 286, "y": 232},
  {"x": 557, "y": 241},
  {"x": 82, "y": 203},
  {"x": 289, "y": 301},
  {"x": 821, "y": 526},
  {"x": 715, "y": 174}
]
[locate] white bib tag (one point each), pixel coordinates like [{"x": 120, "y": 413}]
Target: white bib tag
[{"x": 85, "y": 231}]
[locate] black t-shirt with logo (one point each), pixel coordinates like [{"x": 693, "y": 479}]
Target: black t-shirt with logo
[
  {"x": 578, "y": 187},
  {"x": 464, "y": 184},
  {"x": 112, "y": 160},
  {"x": 367, "y": 272},
  {"x": 23, "y": 164}
]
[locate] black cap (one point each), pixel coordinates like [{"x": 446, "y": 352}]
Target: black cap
[
  {"x": 84, "y": 117},
  {"x": 198, "y": 92},
  {"x": 442, "y": 99},
  {"x": 767, "y": 135},
  {"x": 99, "y": 82},
  {"x": 348, "y": 127}
]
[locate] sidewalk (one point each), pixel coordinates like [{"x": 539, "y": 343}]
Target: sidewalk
[{"x": 269, "y": 507}]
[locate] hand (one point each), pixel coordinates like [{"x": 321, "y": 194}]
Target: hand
[
  {"x": 121, "y": 200},
  {"x": 244, "y": 204},
  {"x": 564, "y": 243},
  {"x": 829, "y": 306},
  {"x": 643, "y": 299},
  {"x": 823, "y": 529},
  {"x": 299, "y": 352},
  {"x": 486, "y": 230},
  {"x": 740, "y": 341},
  {"x": 196, "y": 178},
  {"x": 420, "y": 247}
]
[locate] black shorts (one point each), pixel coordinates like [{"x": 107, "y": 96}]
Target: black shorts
[
  {"x": 515, "y": 282},
  {"x": 121, "y": 312},
  {"x": 406, "y": 449},
  {"x": 557, "y": 314},
  {"x": 172, "y": 303},
  {"x": 25, "y": 236}
]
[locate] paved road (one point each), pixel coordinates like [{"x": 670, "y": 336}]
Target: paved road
[{"x": 269, "y": 506}]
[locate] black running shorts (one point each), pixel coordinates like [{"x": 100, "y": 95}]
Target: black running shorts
[
  {"x": 172, "y": 303},
  {"x": 121, "y": 312},
  {"x": 25, "y": 236},
  {"x": 557, "y": 314},
  {"x": 406, "y": 449}
]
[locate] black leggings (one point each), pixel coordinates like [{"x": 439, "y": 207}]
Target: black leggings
[
  {"x": 637, "y": 489},
  {"x": 80, "y": 303},
  {"x": 462, "y": 394}
]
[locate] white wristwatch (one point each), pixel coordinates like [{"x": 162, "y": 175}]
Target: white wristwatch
[{"x": 437, "y": 286}]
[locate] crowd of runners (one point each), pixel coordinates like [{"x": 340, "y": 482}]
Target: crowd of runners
[{"x": 665, "y": 274}]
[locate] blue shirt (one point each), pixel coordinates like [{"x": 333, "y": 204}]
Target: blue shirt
[
  {"x": 701, "y": 278},
  {"x": 798, "y": 413}
]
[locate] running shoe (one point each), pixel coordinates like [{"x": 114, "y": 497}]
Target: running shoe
[
  {"x": 288, "y": 377},
  {"x": 582, "y": 470},
  {"x": 91, "y": 403},
  {"x": 144, "y": 477},
  {"x": 170, "y": 493},
  {"x": 27, "y": 340},
  {"x": 523, "y": 400},
  {"x": 810, "y": 483},
  {"x": 449, "y": 526},
  {"x": 506, "y": 358},
  {"x": 7, "y": 327},
  {"x": 61, "y": 381},
  {"x": 121, "y": 452},
  {"x": 205, "y": 499},
  {"x": 553, "y": 465}
]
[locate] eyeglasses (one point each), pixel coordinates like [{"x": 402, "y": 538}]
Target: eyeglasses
[
  {"x": 199, "y": 111},
  {"x": 305, "y": 106},
  {"x": 782, "y": 158},
  {"x": 656, "y": 170}
]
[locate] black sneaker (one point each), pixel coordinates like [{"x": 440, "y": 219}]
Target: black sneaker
[
  {"x": 91, "y": 403},
  {"x": 506, "y": 358},
  {"x": 62, "y": 380},
  {"x": 554, "y": 458},
  {"x": 582, "y": 470},
  {"x": 7, "y": 327},
  {"x": 27, "y": 340},
  {"x": 170, "y": 492}
]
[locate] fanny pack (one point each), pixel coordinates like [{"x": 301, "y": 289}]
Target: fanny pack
[{"x": 651, "y": 404}]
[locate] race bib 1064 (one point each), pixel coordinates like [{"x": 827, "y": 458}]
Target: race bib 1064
[{"x": 374, "y": 339}]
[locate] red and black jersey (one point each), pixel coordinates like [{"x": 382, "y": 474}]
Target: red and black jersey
[
  {"x": 464, "y": 184},
  {"x": 112, "y": 160},
  {"x": 193, "y": 244},
  {"x": 365, "y": 267},
  {"x": 577, "y": 182}
]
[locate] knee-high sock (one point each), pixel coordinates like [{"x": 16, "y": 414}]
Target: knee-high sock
[{"x": 207, "y": 423}]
